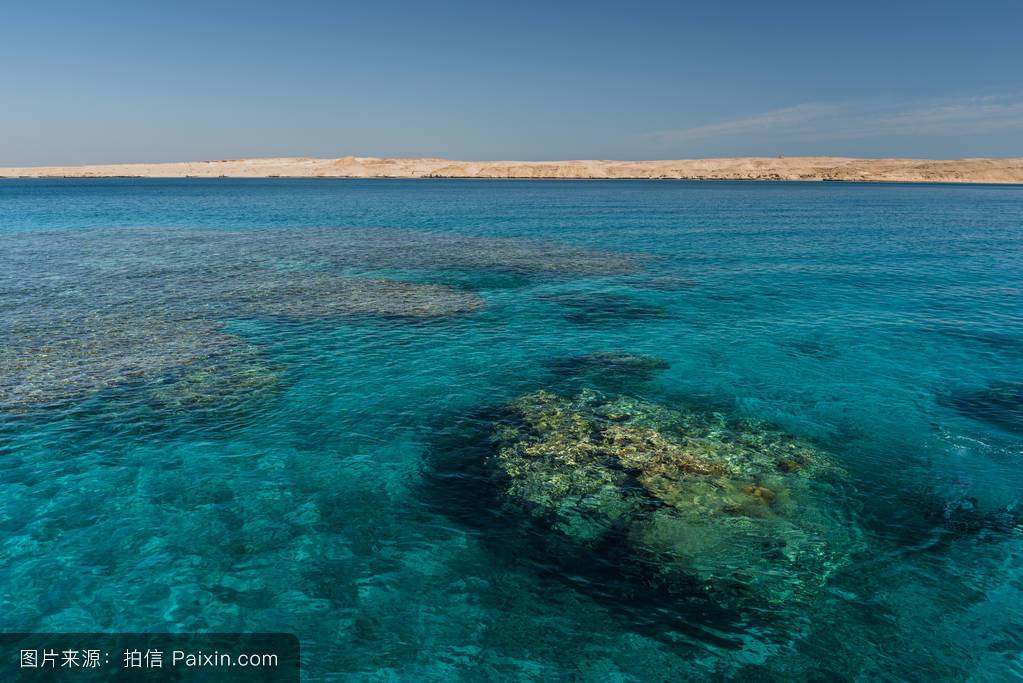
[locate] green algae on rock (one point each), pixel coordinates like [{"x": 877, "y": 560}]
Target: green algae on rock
[{"x": 687, "y": 501}]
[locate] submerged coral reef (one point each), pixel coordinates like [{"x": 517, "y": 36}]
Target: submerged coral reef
[
  {"x": 222, "y": 379},
  {"x": 87, "y": 310},
  {"x": 78, "y": 354},
  {"x": 686, "y": 501},
  {"x": 318, "y": 293}
]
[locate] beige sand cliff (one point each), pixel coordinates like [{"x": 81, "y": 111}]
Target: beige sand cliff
[{"x": 741, "y": 168}]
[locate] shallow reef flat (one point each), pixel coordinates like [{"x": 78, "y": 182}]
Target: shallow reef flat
[
  {"x": 218, "y": 380},
  {"x": 317, "y": 293},
  {"x": 87, "y": 310},
  {"x": 79, "y": 354},
  {"x": 685, "y": 501},
  {"x": 363, "y": 248},
  {"x": 307, "y": 270}
]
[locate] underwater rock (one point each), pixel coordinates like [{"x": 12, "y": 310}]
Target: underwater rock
[
  {"x": 685, "y": 501},
  {"x": 586, "y": 308},
  {"x": 999, "y": 404}
]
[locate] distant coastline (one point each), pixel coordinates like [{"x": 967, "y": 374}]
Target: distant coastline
[{"x": 986, "y": 170}]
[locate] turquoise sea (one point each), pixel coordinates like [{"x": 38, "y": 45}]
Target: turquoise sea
[{"x": 271, "y": 405}]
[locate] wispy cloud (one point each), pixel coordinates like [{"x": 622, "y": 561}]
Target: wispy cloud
[
  {"x": 976, "y": 114},
  {"x": 776, "y": 119},
  {"x": 853, "y": 120}
]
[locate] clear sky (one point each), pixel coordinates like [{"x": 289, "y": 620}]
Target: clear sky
[{"x": 98, "y": 81}]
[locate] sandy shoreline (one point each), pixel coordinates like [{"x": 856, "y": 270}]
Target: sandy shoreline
[{"x": 1004, "y": 171}]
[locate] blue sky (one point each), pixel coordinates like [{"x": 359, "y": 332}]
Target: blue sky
[{"x": 96, "y": 82}]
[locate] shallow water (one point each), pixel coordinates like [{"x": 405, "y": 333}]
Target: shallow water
[{"x": 179, "y": 454}]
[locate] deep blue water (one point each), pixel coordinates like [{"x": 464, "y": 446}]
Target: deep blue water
[{"x": 315, "y": 490}]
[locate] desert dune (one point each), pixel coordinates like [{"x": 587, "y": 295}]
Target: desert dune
[{"x": 978, "y": 170}]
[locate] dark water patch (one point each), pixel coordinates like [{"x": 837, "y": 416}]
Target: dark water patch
[
  {"x": 618, "y": 362},
  {"x": 999, "y": 404},
  {"x": 730, "y": 297},
  {"x": 1004, "y": 343},
  {"x": 603, "y": 308},
  {"x": 916, "y": 507},
  {"x": 617, "y": 371},
  {"x": 465, "y": 279},
  {"x": 482, "y": 280},
  {"x": 811, "y": 347},
  {"x": 966, "y": 515},
  {"x": 663, "y": 283}
]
